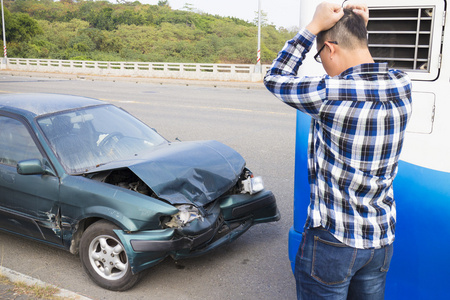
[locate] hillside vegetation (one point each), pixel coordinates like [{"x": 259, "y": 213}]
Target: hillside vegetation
[{"x": 131, "y": 31}]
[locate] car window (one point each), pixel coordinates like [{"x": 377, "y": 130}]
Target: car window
[
  {"x": 89, "y": 137},
  {"x": 16, "y": 143}
]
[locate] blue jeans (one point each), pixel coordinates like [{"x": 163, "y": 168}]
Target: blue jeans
[{"x": 327, "y": 269}]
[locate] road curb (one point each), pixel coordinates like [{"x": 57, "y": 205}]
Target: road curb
[{"x": 14, "y": 276}]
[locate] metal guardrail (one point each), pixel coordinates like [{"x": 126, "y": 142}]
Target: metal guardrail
[{"x": 226, "y": 72}]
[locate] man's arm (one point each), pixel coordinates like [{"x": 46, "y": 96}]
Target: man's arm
[{"x": 305, "y": 94}]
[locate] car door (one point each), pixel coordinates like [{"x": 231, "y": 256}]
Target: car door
[{"x": 28, "y": 203}]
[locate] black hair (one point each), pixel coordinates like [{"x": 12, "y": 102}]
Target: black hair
[{"x": 350, "y": 31}]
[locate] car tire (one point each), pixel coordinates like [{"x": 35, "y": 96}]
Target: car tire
[{"x": 104, "y": 258}]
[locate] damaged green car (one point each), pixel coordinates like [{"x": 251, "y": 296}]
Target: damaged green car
[{"x": 85, "y": 175}]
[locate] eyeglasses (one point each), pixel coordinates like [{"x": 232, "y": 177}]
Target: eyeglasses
[
  {"x": 317, "y": 57},
  {"x": 343, "y": 3}
]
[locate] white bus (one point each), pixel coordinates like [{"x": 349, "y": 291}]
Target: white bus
[{"x": 410, "y": 35}]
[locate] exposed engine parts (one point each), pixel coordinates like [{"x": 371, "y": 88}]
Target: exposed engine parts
[{"x": 125, "y": 178}]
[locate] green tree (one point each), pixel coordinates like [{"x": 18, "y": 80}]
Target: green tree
[
  {"x": 102, "y": 19},
  {"x": 131, "y": 31},
  {"x": 163, "y": 3},
  {"x": 264, "y": 18},
  {"x": 19, "y": 27}
]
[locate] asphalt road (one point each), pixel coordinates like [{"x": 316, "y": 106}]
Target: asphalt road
[{"x": 252, "y": 121}]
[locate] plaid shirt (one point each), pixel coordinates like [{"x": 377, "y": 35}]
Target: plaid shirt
[{"x": 358, "y": 123}]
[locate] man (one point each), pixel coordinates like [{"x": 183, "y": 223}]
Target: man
[{"x": 359, "y": 114}]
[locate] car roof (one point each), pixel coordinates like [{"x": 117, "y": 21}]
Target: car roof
[{"x": 37, "y": 104}]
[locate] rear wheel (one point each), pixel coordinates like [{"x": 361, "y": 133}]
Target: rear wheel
[{"x": 104, "y": 258}]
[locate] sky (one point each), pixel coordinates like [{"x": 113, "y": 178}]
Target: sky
[{"x": 281, "y": 13}]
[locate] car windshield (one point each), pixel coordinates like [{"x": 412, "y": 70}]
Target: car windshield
[{"x": 87, "y": 138}]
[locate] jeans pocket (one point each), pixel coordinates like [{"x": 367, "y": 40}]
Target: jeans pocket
[
  {"x": 388, "y": 253},
  {"x": 332, "y": 262}
]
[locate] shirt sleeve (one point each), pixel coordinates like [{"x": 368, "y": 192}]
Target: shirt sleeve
[{"x": 303, "y": 93}]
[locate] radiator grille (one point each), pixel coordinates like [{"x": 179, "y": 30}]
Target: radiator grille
[{"x": 402, "y": 37}]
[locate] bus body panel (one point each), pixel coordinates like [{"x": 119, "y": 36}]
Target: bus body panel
[{"x": 420, "y": 267}]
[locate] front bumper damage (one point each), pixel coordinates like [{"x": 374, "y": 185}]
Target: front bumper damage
[{"x": 226, "y": 219}]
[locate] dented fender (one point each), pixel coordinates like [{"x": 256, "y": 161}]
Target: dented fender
[{"x": 127, "y": 209}]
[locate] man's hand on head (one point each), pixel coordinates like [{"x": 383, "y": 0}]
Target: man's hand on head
[
  {"x": 326, "y": 15},
  {"x": 361, "y": 10}
]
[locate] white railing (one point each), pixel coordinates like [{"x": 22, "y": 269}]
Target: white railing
[{"x": 226, "y": 72}]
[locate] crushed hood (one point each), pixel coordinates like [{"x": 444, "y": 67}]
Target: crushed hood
[{"x": 183, "y": 172}]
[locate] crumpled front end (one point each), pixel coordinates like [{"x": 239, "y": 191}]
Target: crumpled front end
[
  {"x": 182, "y": 173},
  {"x": 216, "y": 197},
  {"x": 217, "y": 224}
]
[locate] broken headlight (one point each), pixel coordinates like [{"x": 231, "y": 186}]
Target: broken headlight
[
  {"x": 252, "y": 184},
  {"x": 185, "y": 215}
]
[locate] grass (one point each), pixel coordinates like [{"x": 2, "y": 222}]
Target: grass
[{"x": 33, "y": 291}]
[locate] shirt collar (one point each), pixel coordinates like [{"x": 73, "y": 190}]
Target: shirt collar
[{"x": 366, "y": 69}]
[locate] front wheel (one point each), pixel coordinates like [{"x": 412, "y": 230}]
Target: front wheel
[{"x": 104, "y": 258}]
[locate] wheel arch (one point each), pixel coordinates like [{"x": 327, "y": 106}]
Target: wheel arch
[{"x": 81, "y": 227}]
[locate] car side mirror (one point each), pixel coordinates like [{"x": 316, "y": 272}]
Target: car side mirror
[{"x": 32, "y": 167}]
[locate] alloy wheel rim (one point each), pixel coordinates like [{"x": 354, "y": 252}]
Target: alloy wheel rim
[{"x": 108, "y": 258}]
